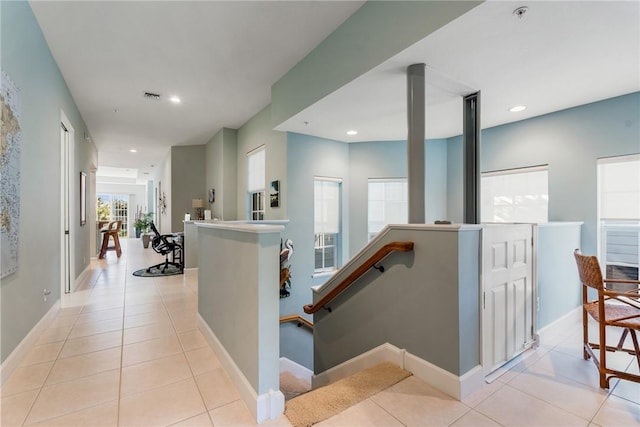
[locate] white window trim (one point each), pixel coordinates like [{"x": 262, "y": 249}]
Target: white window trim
[
  {"x": 251, "y": 209},
  {"x": 604, "y": 223},
  {"x": 338, "y": 243}
]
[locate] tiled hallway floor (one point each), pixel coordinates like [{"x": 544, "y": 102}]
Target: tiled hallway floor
[{"x": 126, "y": 351}]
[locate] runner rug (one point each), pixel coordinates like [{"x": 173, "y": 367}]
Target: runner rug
[{"x": 325, "y": 402}]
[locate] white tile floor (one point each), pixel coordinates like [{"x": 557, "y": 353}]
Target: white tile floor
[{"x": 126, "y": 352}]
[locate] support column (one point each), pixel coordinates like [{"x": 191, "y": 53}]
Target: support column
[
  {"x": 471, "y": 147},
  {"x": 415, "y": 142}
]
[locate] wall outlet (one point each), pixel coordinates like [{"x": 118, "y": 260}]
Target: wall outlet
[{"x": 45, "y": 292}]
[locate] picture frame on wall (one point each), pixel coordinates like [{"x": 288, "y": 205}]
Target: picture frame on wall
[
  {"x": 83, "y": 198},
  {"x": 274, "y": 194}
]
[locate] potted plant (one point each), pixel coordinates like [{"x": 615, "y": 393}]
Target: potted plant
[{"x": 142, "y": 227}]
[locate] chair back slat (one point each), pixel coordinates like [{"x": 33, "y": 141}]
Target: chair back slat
[
  {"x": 589, "y": 270},
  {"x": 154, "y": 229}
]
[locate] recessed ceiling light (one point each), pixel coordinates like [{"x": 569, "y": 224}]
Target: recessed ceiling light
[
  {"x": 517, "y": 108},
  {"x": 133, "y": 150},
  {"x": 352, "y": 132},
  {"x": 175, "y": 100}
]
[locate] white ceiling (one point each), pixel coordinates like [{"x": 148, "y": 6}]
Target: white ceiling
[
  {"x": 559, "y": 55},
  {"x": 221, "y": 58}
]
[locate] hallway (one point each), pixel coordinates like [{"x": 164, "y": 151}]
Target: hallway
[{"x": 126, "y": 351}]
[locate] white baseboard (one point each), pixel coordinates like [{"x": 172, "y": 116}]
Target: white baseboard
[
  {"x": 15, "y": 358},
  {"x": 296, "y": 369},
  {"x": 266, "y": 406},
  {"x": 82, "y": 276},
  {"x": 560, "y": 325},
  {"x": 383, "y": 353},
  {"x": 455, "y": 386}
]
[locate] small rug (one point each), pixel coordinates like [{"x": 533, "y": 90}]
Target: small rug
[
  {"x": 325, "y": 402},
  {"x": 157, "y": 272}
]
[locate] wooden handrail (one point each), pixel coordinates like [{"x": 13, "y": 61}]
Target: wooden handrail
[
  {"x": 355, "y": 275},
  {"x": 296, "y": 318}
]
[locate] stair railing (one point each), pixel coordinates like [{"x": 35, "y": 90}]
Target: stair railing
[
  {"x": 358, "y": 272},
  {"x": 301, "y": 321}
]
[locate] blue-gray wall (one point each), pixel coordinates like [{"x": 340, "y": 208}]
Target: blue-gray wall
[
  {"x": 26, "y": 59},
  {"x": 570, "y": 142},
  {"x": 558, "y": 285},
  {"x": 253, "y": 134},
  {"x": 427, "y": 302},
  {"x": 187, "y": 182},
  {"x": 355, "y": 163},
  {"x": 388, "y": 159}
]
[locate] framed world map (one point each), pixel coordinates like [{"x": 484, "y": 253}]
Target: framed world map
[{"x": 10, "y": 143}]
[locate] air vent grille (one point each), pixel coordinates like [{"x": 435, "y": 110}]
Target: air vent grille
[{"x": 150, "y": 95}]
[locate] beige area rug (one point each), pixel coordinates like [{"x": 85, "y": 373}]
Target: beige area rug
[{"x": 325, "y": 402}]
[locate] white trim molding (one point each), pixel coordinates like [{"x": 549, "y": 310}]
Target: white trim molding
[
  {"x": 17, "y": 355},
  {"x": 264, "y": 407},
  {"x": 296, "y": 369},
  {"x": 383, "y": 353},
  {"x": 455, "y": 386},
  {"x": 549, "y": 334}
]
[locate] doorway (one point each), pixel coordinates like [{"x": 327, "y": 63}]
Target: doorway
[
  {"x": 67, "y": 246},
  {"x": 114, "y": 207}
]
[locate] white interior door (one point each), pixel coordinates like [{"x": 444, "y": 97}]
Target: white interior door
[
  {"x": 507, "y": 292},
  {"x": 66, "y": 253},
  {"x": 67, "y": 167}
]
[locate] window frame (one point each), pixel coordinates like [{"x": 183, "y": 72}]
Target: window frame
[
  {"x": 116, "y": 214},
  {"x": 404, "y": 201},
  {"x": 616, "y": 232},
  {"x": 320, "y": 238},
  {"x": 256, "y": 186},
  {"x": 514, "y": 205}
]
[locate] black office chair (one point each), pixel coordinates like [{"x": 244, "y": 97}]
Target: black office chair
[{"x": 166, "y": 244}]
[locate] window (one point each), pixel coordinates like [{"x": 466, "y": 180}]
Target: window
[
  {"x": 387, "y": 204},
  {"x": 256, "y": 184},
  {"x": 619, "y": 216},
  {"x": 326, "y": 224},
  {"x": 114, "y": 207},
  {"x": 515, "y": 195}
]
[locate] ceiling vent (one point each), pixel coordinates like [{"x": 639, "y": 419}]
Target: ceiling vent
[{"x": 153, "y": 96}]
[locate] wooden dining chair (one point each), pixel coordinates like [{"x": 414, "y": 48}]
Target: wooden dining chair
[
  {"x": 611, "y": 308},
  {"x": 111, "y": 232}
]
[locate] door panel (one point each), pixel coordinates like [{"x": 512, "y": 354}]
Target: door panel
[
  {"x": 499, "y": 316},
  {"x": 508, "y": 292}
]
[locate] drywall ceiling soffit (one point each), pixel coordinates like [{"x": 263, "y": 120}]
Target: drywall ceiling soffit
[{"x": 561, "y": 54}]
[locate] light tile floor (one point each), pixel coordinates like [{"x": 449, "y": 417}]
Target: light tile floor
[{"x": 126, "y": 351}]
